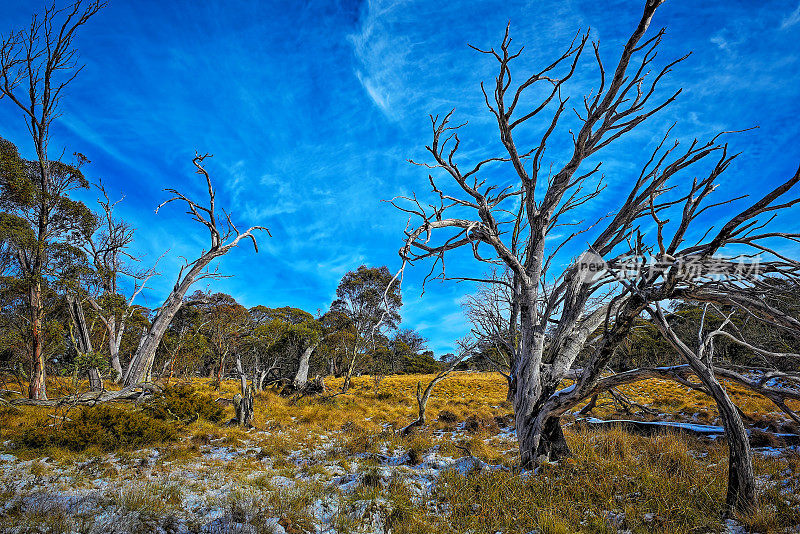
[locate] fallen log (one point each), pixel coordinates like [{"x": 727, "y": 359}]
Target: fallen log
[
  {"x": 712, "y": 431},
  {"x": 132, "y": 393}
]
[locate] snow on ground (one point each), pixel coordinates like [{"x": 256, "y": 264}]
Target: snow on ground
[
  {"x": 115, "y": 494},
  {"x": 220, "y": 485}
]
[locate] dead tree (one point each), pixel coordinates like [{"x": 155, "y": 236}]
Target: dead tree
[
  {"x": 243, "y": 402},
  {"x": 493, "y": 313},
  {"x": 222, "y": 240},
  {"x": 107, "y": 246},
  {"x": 424, "y": 395},
  {"x": 517, "y": 226},
  {"x": 741, "y": 495},
  {"x": 83, "y": 341},
  {"x": 132, "y": 393},
  {"x": 36, "y": 66}
]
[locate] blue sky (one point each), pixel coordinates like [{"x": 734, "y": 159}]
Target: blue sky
[{"x": 311, "y": 110}]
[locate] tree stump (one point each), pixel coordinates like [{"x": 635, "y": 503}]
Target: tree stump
[{"x": 244, "y": 407}]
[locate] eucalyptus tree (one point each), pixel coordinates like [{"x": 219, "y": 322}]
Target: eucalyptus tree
[
  {"x": 265, "y": 333},
  {"x": 520, "y": 225},
  {"x": 302, "y": 335},
  {"x": 402, "y": 347},
  {"x": 223, "y": 237},
  {"x": 107, "y": 245},
  {"x": 225, "y": 323},
  {"x": 39, "y": 229},
  {"x": 37, "y": 64},
  {"x": 367, "y": 304}
]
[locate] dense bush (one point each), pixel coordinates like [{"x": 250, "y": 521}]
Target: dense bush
[
  {"x": 423, "y": 363},
  {"x": 105, "y": 427},
  {"x": 182, "y": 402}
]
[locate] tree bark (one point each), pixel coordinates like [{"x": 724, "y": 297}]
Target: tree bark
[
  {"x": 114, "y": 342},
  {"x": 540, "y": 438},
  {"x": 741, "y": 493},
  {"x": 422, "y": 405},
  {"x": 301, "y": 377},
  {"x": 220, "y": 372},
  {"x": 349, "y": 374},
  {"x": 37, "y": 388},
  {"x": 512, "y": 386},
  {"x": 243, "y": 403},
  {"x": 141, "y": 364},
  {"x": 83, "y": 342}
]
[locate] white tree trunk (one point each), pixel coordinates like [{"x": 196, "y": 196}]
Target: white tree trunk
[
  {"x": 114, "y": 342},
  {"x": 301, "y": 377},
  {"x": 741, "y": 494},
  {"x": 142, "y": 362}
]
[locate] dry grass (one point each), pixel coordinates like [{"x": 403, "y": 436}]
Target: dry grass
[{"x": 614, "y": 481}]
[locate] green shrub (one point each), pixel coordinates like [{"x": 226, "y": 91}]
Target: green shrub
[
  {"x": 105, "y": 427},
  {"x": 183, "y": 403}
]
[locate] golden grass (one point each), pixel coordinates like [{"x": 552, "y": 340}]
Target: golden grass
[{"x": 615, "y": 480}]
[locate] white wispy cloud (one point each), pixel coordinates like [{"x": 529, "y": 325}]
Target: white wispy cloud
[
  {"x": 791, "y": 19},
  {"x": 311, "y": 111}
]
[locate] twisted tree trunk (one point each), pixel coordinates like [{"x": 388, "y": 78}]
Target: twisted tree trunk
[{"x": 741, "y": 495}]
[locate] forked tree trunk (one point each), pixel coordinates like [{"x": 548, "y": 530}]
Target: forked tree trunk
[
  {"x": 422, "y": 405},
  {"x": 540, "y": 438},
  {"x": 539, "y": 435},
  {"x": 423, "y": 396},
  {"x": 243, "y": 402},
  {"x": 349, "y": 374},
  {"x": 83, "y": 341}
]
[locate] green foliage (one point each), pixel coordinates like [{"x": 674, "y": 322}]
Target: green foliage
[
  {"x": 362, "y": 297},
  {"x": 88, "y": 360},
  {"x": 422, "y": 364},
  {"x": 104, "y": 427},
  {"x": 184, "y": 403}
]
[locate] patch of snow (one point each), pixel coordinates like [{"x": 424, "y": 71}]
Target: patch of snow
[
  {"x": 700, "y": 429},
  {"x": 734, "y": 527}
]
